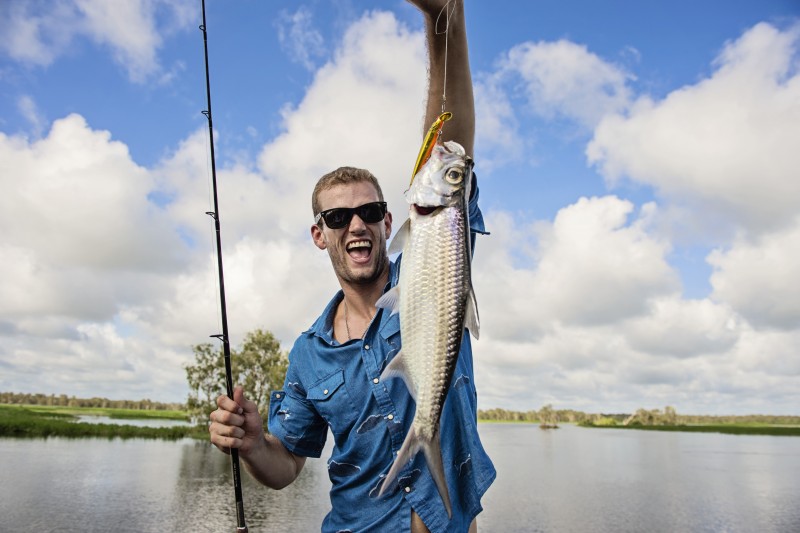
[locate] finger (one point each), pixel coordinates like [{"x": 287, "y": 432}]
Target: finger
[
  {"x": 226, "y": 431},
  {"x": 226, "y": 418},
  {"x": 223, "y": 442},
  {"x": 223, "y": 402}
]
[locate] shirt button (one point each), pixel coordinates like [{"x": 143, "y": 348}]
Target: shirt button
[
  {"x": 408, "y": 489},
  {"x": 277, "y": 396},
  {"x": 390, "y": 417},
  {"x": 366, "y": 346},
  {"x": 325, "y": 391},
  {"x": 376, "y": 381}
]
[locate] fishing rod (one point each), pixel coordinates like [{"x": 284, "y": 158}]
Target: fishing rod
[{"x": 226, "y": 347}]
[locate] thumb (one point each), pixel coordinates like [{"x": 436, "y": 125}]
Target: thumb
[{"x": 241, "y": 399}]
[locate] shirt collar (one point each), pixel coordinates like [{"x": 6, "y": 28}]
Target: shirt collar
[{"x": 323, "y": 326}]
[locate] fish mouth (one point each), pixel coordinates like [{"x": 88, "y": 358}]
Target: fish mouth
[
  {"x": 359, "y": 251},
  {"x": 425, "y": 210}
]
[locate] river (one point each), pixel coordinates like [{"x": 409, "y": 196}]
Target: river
[{"x": 567, "y": 480}]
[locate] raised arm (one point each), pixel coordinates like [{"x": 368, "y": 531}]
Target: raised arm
[{"x": 460, "y": 101}]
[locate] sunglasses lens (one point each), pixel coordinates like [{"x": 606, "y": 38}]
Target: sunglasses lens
[
  {"x": 337, "y": 218},
  {"x": 371, "y": 213}
]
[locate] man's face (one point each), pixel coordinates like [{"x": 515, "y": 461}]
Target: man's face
[{"x": 358, "y": 250}]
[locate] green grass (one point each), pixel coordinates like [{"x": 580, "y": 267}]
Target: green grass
[
  {"x": 39, "y": 421},
  {"x": 107, "y": 411},
  {"x": 731, "y": 429}
]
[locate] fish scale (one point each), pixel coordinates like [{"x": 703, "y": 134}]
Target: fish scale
[{"x": 435, "y": 300}]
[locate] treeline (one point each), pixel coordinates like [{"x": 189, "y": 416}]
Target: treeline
[
  {"x": 545, "y": 414},
  {"x": 644, "y": 417},
  {"x": 669, "y": 417},
  {"x": 62, "y": 400}
]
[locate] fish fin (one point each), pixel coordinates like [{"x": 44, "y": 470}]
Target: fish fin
[
  {"x": 471, "y": 320},
  {"x": 433, "y": 457},
  {"x": 400, "y": 238},
  {"x": 408, "y": 450},
  {"x": 390, "y": 300},
  {"x": 397, "y": 369}
]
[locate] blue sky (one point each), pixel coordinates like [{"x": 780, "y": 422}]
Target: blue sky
[{"x": 636, "y": 162}]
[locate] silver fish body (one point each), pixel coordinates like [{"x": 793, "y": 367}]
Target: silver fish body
[{"x": 435, "y": 300}]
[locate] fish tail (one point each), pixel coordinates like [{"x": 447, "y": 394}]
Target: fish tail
[
  {"x": 408, "y": 450},
  {"x": 433, "y": 458}
]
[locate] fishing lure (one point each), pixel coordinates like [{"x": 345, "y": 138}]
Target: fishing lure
[{"x": 430, "y": 141}]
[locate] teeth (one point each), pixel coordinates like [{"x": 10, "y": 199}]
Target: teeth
[{"x": 359, "y": 244}]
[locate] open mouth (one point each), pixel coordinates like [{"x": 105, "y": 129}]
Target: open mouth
[
  {"x": 424, "y": 209},
  {"x": 359, "y": 251}
]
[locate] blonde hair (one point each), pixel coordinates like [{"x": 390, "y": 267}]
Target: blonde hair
[{"x": 342, "y": 176}]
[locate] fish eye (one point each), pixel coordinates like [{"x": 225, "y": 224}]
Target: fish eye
[{"x": 454, "y": 176}]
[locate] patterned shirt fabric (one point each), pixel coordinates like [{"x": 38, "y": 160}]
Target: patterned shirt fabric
[{"x": 338, "y": 386}]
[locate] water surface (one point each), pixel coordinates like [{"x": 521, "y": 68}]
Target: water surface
[{"x": 567, "y": 480}]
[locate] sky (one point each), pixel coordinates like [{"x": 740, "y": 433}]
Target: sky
[{"x": 637, "y": 164}]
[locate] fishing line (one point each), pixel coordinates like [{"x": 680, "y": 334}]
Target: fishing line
[
  {"x": 450, "y": 11},
  {"x": 432, "y": 136}
]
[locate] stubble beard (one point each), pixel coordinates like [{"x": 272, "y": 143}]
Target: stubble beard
[{"x": 348, "y": 275}]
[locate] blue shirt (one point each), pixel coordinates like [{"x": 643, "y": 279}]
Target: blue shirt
[{"x": 338, "y": 386}]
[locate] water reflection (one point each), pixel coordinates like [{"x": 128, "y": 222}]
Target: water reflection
[
  {"x": 572, "y": 479},
  {"x": 138, "y": 422}
]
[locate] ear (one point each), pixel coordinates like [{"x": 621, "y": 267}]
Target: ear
[
  {"x": 318, "y": 236},
  {"x": 387, "y": 223}
]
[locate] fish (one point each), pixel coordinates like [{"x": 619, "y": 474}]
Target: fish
[{"x": 435, "y": 299}]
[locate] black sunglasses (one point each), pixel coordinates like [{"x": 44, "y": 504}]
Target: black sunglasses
[{"x": 339, "y": 217}]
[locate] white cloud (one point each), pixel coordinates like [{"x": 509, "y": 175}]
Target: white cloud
[
  {"x": 38, "y": 33},
  {"x": 344, "y": 118},
  {"x": 683, "y": 328},
  {"x": 759, "y": 278},
  {"x": 109, "y": 273},
  {"x": 723, "y": 147},
  {"x": 112, "y": 265},
  {"x": 299, "y": 38},
  {"x": 37, "y": 38},
  {"x": 590, "y": 266},
  {"x": 28, "y": 109},
  {"x": 565, "y": 79}
]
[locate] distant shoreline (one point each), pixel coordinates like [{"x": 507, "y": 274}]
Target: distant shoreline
[
  {"x": 36, "y": 421},
  {"x": 729, "y": 429},
  {"x": 39, "y": 421}
]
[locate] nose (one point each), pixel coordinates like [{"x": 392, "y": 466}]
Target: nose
[{"x": 356, "y": 224}]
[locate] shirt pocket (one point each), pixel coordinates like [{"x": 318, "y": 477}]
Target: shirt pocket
[
  {"x": 390, "y": 334},
  {"x": 331, "y": 399}
]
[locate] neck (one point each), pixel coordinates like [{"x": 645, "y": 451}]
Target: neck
[
  {"x": 357, "y": 308},
  {"x": 361, "y": 297}
]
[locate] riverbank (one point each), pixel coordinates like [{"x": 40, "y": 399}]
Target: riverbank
[
  {"x": 41, "y": 421},
  {"x": 731, "y": 429}
]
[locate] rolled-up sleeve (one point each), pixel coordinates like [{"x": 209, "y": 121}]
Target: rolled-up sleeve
[{"x": 293, "y": 420}]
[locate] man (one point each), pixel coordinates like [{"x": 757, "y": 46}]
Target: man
[{"x": 333, "y": 381}]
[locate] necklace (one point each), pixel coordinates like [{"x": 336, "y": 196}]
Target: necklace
[{"x": 347, "y": 323}]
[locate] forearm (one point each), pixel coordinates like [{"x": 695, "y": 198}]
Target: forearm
[
  {"x": 449, "y": 74},
  {"x": 271, "y": 464}
]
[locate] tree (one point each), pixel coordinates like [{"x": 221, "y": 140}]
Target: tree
[
  {"x": 259, "y": 367},
  {"x": 206, "y": 379},
  {"x": 548, "y": 418}
]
